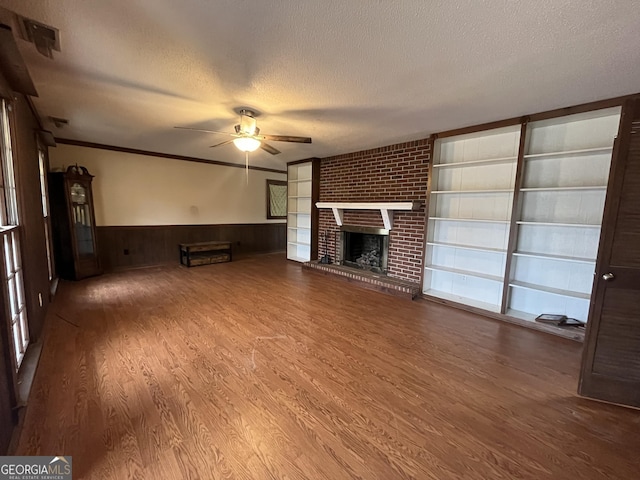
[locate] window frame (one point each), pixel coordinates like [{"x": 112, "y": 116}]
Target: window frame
[{"x": 11, "y": 260}]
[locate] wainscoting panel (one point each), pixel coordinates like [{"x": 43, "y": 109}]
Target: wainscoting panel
[{"x": 140, "y": 246}]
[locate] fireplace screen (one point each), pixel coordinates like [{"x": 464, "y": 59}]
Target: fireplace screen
[{"x": 366, "y": 248}]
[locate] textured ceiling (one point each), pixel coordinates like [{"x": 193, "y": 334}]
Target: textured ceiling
[{"x": 352, "y": 75}]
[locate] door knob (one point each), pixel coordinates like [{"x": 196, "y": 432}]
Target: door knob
[{"x": 608, "y": 276}]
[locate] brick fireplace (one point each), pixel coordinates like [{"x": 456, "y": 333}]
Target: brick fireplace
[{"x": 395, "y": 173}]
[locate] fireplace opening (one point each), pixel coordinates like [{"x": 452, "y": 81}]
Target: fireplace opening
[{"x": 365, "y": 248}]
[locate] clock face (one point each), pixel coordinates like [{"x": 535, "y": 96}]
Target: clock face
[{"x": 78, "y": 194}]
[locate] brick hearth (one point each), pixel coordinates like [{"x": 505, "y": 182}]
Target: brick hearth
[{"x": 375, "y": 281}]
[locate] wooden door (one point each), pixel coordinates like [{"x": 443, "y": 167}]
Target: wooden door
[{"x": 611, "y": 359}]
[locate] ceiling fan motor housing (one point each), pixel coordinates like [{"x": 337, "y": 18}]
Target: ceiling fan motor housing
[{"x": 248, "y": 124}]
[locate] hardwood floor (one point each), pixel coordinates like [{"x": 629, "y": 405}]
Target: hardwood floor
[{"x": 257, "y": 369}]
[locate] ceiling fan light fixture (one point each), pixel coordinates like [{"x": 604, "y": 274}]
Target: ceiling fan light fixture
[{"x": 246, "y": 144}]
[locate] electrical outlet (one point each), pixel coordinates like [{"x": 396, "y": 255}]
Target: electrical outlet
[{"x": 40, "y": 298}]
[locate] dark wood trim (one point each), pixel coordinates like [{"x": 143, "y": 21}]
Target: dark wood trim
[
  {"x": 304, "y": 160},
  {"x": 582, "y": 108},
  {"x": 5, "y": 88},
  {"x": 124, "y": 247},
  {"x": 575, "y": 334},
  {"x": 609, "y": 390},
  {"x": 315, "y": 212},
  {"x": 35, "y": 114},
  {"x": 283, "y": 183},
  {"x": 47, "y": 138},
  {"x": 175, "y": 225},
  {"x": 13, "y": 66},
  {"x": 607, "y": 234},
  {"x": 516, "y": 206},
  {"x": 427, "y": 213},
  {"x": 135, "y": 151},
  {"x": 479, "y": 128},
  {"x": 558, "y": 112}
]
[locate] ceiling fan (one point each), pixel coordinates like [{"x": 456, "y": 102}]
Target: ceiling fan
[{"x": 247, "y": 135}]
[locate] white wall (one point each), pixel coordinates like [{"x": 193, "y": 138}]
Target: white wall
[{"x": 132, "y": 189}]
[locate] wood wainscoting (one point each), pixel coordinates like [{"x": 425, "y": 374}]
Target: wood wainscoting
[{"x": 142, "y": 246}]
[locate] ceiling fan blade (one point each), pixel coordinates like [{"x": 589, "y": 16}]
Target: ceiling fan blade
[
  {"x": 268, "y": 148},
  {"x": 207, "y": 131},
  {"x": 286, "y": 138},
  {"x": 220, "y": 144}
]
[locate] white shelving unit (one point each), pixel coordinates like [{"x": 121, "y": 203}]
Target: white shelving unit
[
  {"x": 551, "y": 252},
  {"x": 473, "y": 179},
  {"x": 299, "y": 205},
  {"x": 566, "y": 169}
]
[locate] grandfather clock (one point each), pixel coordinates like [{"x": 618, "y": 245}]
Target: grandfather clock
[{"x": 74, "y": 226}]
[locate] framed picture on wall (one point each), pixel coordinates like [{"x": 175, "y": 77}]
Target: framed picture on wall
[{"x": 276, "y": 199}]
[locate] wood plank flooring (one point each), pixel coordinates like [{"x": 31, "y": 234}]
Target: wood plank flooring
[{"x": 257, "y": 369}]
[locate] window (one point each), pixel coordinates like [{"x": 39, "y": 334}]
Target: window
[
  {"x": 276, "y": 199},
  {"x": 13, "y": 278}
]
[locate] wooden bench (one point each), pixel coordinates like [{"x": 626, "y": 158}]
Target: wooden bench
[{"x": 205, "y": 253}]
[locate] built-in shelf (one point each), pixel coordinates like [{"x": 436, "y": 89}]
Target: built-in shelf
[
  {"x": 301, "y": 193},
  {"x": 547, "y": 223},
  {"x": 464, "y": 300},
  {"x": 303, "y": 244},
  {"x": 386, "y": 209},
  {"x": 529, "y": 317},
  {"x": 452, "y": 219},
  {"x": 558, "y": 224},
  {"x": 297, "y": 259},
  {"x": 553, "y": 291},
  {"x": 563, "y": 258},
  {"x": 467, "y": 247},
  {"x": 474, "y": 191},
  {"x": 584, "y": 151},
  {"x": 458, "y": 271},
  {"x": 470, "y": 203},
  {"x": 563, "y": 189},
  {"x": 472, "y": 163},
  {"x": 575, "y": 333}
]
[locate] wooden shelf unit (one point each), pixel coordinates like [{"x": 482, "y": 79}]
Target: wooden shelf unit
[
  {"x": 302, "y": 216},
  {"x": 468, "y": 247},
  {"x": 526, "y": 212},
  {"x": 472, "y": 179},
  {"x": 487, "y": 161},
  {"x": 459, "y": 271},
  {"x": 565, "y": 173}
]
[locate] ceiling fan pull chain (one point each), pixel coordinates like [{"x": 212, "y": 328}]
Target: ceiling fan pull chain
[{"x": 246, "y": 165}]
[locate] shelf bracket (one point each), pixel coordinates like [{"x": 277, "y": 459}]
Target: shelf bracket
[
  {"x": 338, "y": 213},
  {"x": 387, "y": 218}
]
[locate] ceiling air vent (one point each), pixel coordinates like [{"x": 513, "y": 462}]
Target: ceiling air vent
[
  {"x": 59, "y": 122},
  {"x": 45, "y": 38}
]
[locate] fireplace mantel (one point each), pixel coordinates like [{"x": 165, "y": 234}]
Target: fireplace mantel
[{"x": 386, "y": 209}]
